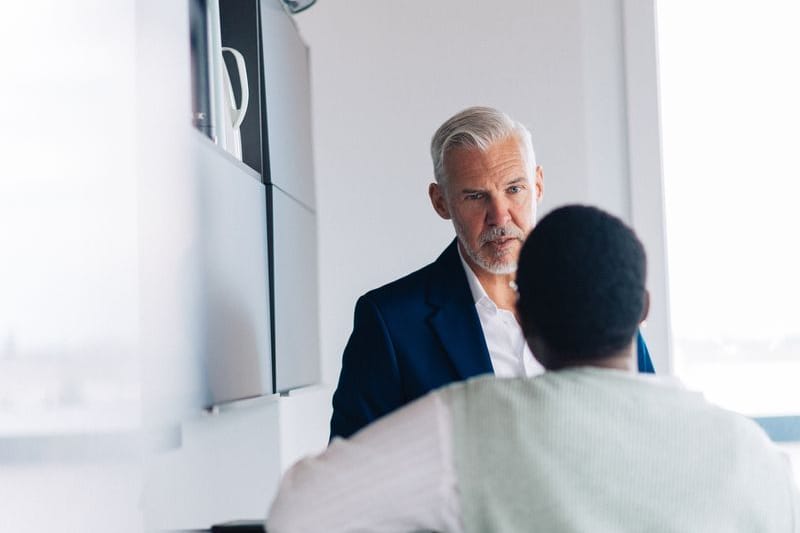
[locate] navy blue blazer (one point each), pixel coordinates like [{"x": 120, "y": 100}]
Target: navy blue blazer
[{"x": 412, "y": 336}]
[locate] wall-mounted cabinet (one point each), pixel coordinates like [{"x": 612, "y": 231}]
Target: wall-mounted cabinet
[{"x": 259, "y": 228}]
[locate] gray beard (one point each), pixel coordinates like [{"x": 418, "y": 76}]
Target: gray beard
[{"x": 508, "y": 267}]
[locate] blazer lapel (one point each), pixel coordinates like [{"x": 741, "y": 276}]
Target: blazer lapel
[{"x": 454, "y": 318}]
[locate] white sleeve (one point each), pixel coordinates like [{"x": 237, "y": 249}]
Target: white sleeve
[{"x": 396, "y": 474}]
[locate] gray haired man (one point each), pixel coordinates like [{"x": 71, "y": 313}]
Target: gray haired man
[{"x": 454, "y": 318}]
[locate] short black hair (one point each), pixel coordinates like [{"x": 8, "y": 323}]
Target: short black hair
[{"x": 581, "y": 281}]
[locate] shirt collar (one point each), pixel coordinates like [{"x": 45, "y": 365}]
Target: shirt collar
[{"x": 479, "y": 295}]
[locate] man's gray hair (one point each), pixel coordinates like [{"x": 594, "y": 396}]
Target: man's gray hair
[{"x": 479, "y": 128}]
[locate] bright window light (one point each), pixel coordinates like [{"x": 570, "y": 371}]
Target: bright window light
[
  {"x": 68, "y": 220},
  {"x": 730, "y": 107}
]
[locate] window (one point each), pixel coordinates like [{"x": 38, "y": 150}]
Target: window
[{"x": 730, "y": 113}]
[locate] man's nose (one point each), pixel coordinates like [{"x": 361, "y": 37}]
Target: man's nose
[{"x": 498, "y": 213}]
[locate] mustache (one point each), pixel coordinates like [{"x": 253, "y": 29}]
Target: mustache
[{"x": 500, "y": 232}]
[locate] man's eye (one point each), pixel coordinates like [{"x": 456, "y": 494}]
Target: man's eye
[
  {"x": 474, "y": 196},
  {"x": 514, "y": 189}
]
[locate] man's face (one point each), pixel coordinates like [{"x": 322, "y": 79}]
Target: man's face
[{"x": 491, "y": 198}]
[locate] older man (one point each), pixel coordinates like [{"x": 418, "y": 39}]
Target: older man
[
  {"x": 587, "y": 446},
  {"x": 454, "y": 318}
]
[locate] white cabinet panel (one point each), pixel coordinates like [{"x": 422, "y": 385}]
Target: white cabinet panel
[
  {"x": 235, "y": 299},
  {"x": 288, "y": 104},
  {"x": 296, "y": 308}
]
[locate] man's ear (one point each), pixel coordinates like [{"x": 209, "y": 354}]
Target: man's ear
[
  {"x": 646, "y": 307},
  {"x": 539, "y": 182},
  {"x": 438, "y": 200}
]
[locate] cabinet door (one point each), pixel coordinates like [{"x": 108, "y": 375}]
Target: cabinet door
[
  {"x": 288, "y": 104},
  {"x": 297, "y": 360},
  {"x": 233, "y": 221}
]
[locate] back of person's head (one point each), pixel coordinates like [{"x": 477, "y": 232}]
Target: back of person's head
[
  {"x": 581, "y": 282},
  {"x": 478, "y": 128}
]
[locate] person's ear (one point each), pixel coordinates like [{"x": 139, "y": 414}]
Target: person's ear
[
  {"x": 439, "y": 202},
  {"x": 646, "y": 307},
  {"x": 523, "y": 324},
  {"x": 539, "y": 183},
  {"x": 539, "y": 350}
]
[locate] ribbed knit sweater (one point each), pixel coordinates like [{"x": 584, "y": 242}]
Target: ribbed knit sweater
[{"x": 594, "y": 450}]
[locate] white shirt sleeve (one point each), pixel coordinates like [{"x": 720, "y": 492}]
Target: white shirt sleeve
[{"x": 395, "y": 475}]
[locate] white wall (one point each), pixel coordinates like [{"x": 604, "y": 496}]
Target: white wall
[{"x": 386, "y": 73}]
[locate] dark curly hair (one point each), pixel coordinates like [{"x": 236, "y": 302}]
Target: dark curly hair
[{"x": 581, "y": 281}]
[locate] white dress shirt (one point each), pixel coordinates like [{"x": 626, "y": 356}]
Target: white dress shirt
[{"x": 511, "y": 357}]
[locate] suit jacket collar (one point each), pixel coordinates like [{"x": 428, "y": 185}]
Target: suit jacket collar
[{"x": 454, "y": 318}]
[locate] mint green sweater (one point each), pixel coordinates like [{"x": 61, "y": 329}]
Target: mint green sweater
[{"x": 594, "y": 450}]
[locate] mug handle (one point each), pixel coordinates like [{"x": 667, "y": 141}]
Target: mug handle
[{"x": 242, "y": 70}]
